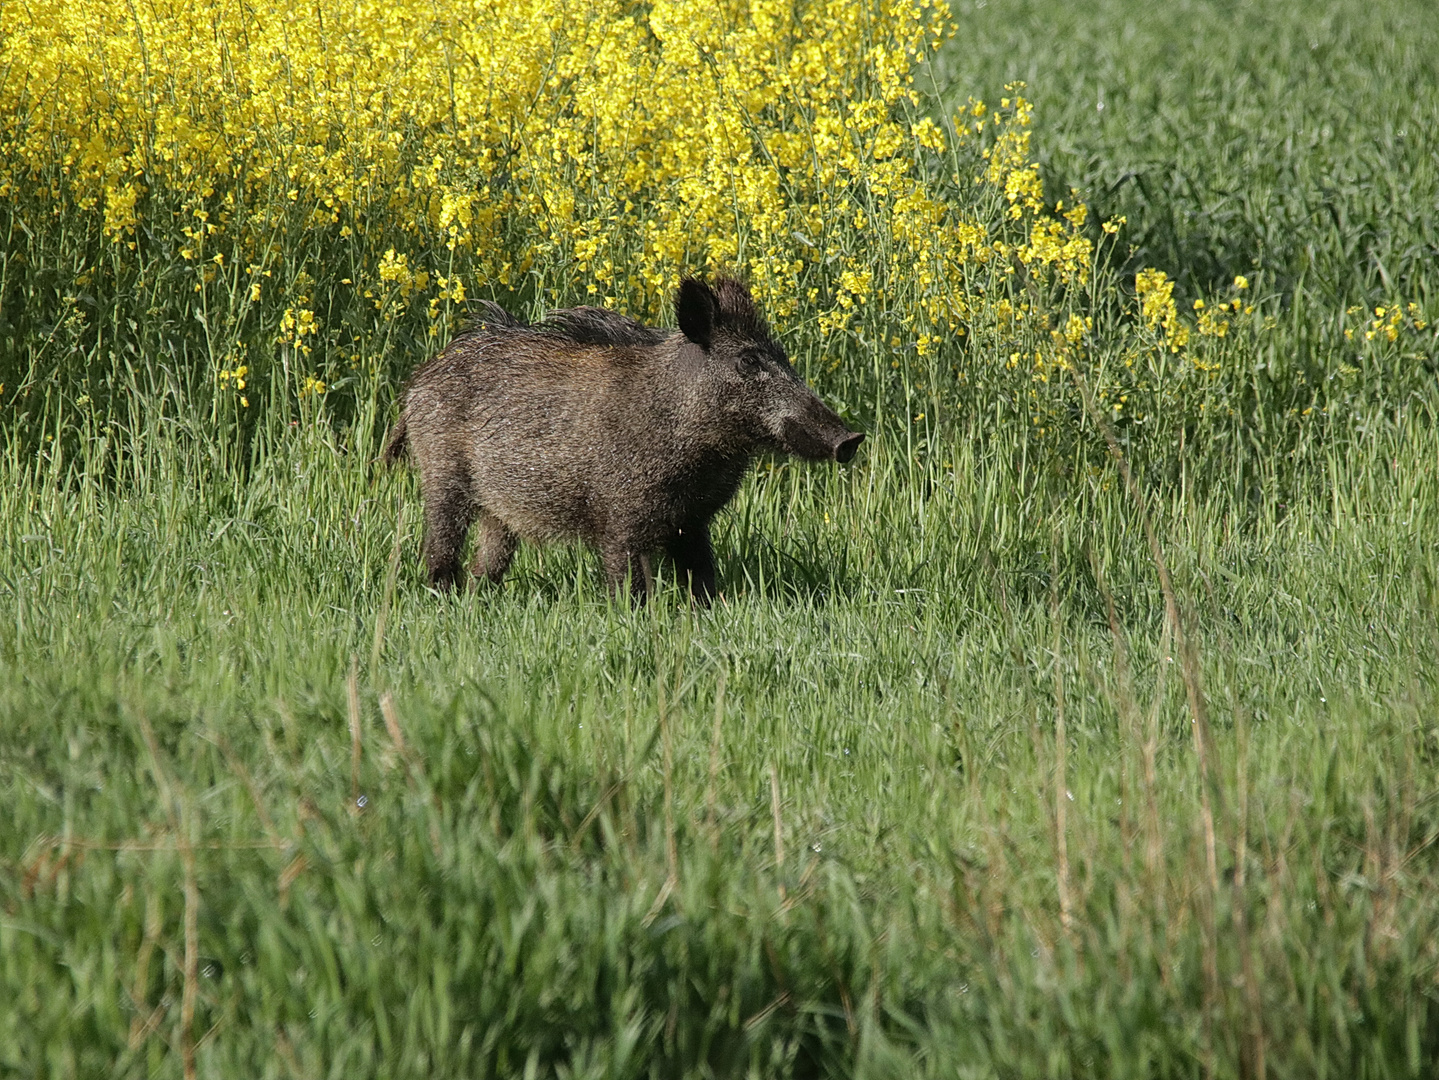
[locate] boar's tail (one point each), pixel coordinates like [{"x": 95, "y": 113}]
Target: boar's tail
[{"x": 395, "y": 444}]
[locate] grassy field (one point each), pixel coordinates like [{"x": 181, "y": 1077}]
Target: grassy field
[
  {"x": 989, "y": 764},
  {"x": 1236, "y": 137},
  {"x": 904, "y": 803}
]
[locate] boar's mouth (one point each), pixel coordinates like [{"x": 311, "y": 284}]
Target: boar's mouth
[{"x": 845, "y": 448}]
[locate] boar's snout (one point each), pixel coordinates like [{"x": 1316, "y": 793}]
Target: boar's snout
[
  {"x": 819, "y": 435},
  {"x": 845, "y": 448}
]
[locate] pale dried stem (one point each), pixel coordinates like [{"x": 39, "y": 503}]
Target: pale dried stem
[
  {"x": 1146, "y": 745},
  {"x": 352, "y": 697},
  {"x": 1061, "y": 789},
  {"x": 414, "y": 767},
  {"x": 192, "y": 958},
  {"x": 382, "y": 620},
  {"x": 140, "y": 1029},
  {"x": 1252, "y": 1062},
  {"x": 1188, "y": 660},
  {"x": 179, "y": 813},
  {"x": 238, "y": 767},
  {"x": 671, "y": 847},
  {"x": 715, "y": 735},
  {"x": 1198, "y": 709},
  {"x": 1125, "y": 698},
  {"x": 160, "y": 845},
  {"x": 392, "y": 724},
  {"x": 774, "y": 808},
  {"x": 1021, "y": 666},
  {"x": 1155, "y": 849}
]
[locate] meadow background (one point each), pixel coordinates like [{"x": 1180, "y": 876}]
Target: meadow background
[{"x": 1084, "y": 726}]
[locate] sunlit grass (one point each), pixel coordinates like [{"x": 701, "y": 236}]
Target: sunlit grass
[{"x": 564, "y": 856}]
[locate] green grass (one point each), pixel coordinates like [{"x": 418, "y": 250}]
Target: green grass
[
  {"x": 907, "y": 802},
  {"x": 175, "y": 664},
  {"x": 1289, "y": 143},
  {"x": 1292, "y": 140}
]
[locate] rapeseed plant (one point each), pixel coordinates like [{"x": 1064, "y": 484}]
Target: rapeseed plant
[
  {"x": 319, "y": 189},
  {"x": 297, "y": 165}
]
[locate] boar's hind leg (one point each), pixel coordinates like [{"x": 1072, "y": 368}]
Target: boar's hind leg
[
  {"x": 495, "y": 546},
  {"x": 448, "y": 513},
  {"x": 694, "y": 561}
]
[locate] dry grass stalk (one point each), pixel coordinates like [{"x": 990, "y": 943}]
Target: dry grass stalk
[
  {"x": 238, "y": 768},
  {"x": 177, "y": 808},
  {"x": 1252, "y": 1054},
  {"x": 352, "y": 697},
  {"x": 392, "y": 724},
  {"x": 715, "y": 734},
  {"x": 1128, "y": 705},
  {"x": 1154, "y": 851},
  {"x": 140, "y": 1029},
  {"x": 1198, "y": 710},
  {"x": 667, "y": 748},
  {"x": 382, "y": 620},
  {"x": 1061, "y": 787},
  {"x": 774, "y": 808},
  {"x": 192, "y": 956},
  {"x": 1145, "y": 739}
]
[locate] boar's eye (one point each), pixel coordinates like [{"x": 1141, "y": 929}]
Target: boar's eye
[{"x": 749, "y": 364}]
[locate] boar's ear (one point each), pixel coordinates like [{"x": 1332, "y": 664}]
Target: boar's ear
[
  {"x": 696, "y": 307},
  {"x": 737, "y": 311}
]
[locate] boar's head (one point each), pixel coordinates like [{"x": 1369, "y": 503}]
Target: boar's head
[{"x": 762, "y": 399}]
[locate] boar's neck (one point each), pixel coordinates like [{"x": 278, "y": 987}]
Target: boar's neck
[
  {"x": 704, "y": 426},
  {"x": 709, "y": 452},
  {"x": 682, "y": 361}
]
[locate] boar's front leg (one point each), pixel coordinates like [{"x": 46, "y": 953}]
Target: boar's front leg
[
  {"x": 495, "y": 545},
  {"x": 625, "y": 566},
  {"x": 694, "y": 560}
]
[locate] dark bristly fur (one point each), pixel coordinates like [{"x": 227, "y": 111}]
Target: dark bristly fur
[
  {"x": 596, "y": 326},
  {"x": 592, "y": 426}
]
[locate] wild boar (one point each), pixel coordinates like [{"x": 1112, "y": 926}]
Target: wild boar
[{"x": 592, "y": 426}]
